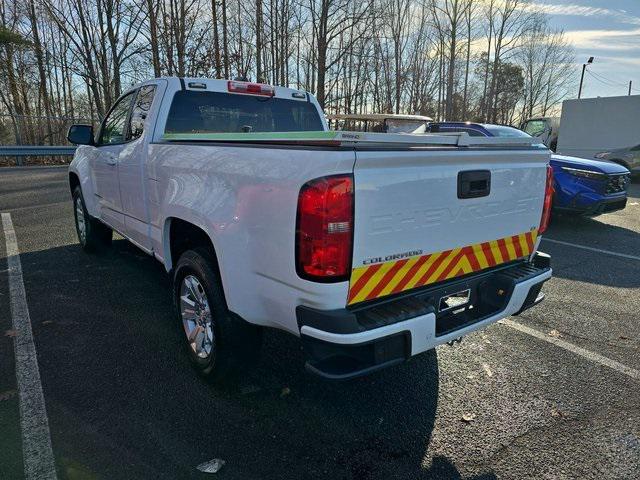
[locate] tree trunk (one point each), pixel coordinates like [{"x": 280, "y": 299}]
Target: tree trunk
[
  {"x": 153, "y": 37},
  {"x": 322, "y": 62},
  {"x": 37, "y": 47},
  {"x": 225, "y": 45},
  {"x": 466, "y": 69}
]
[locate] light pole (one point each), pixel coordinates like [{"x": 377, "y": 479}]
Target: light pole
[{"x": 584, "y": 66}]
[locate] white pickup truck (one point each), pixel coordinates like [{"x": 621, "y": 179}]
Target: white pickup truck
[{"x": 371, "y": 248}]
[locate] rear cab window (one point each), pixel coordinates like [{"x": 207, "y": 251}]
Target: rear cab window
[{"x": 219, "y": 112}]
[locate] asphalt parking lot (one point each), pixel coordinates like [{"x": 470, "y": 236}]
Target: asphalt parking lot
[{"x": 122, "y": 401}]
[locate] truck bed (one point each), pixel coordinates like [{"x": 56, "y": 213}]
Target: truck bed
[{"x": 411, "y": 228}]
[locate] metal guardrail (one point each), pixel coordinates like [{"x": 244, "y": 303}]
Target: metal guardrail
[{"x": 35, "y": 150}]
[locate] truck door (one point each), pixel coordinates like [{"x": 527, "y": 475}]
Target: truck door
[
  {"x": 132, "y": 169},
  {"x": 110, "y": 145}
]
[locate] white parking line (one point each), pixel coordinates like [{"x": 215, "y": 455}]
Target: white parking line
[
  {"x": 41, "y": 205},
  {"x": 592, "y": 249},
  {"x": 594, "y": 357},
  {"x": 36, "y": 440}
]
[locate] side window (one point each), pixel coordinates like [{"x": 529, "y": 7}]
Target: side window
[
  {"x": 473, "y": 132},
  {"x": 535, "y": 127},
  {"x": 141, "y": 108},
  {"x": 113, "y": 128}
]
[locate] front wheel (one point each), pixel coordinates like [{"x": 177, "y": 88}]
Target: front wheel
[
  {"x": 92, "y": 234},
  {"x": 218, "y": 342}
]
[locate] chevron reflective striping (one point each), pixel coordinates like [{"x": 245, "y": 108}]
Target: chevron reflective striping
[{"x": 382, "y": 279}]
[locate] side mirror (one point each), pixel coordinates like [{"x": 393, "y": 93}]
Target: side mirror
[{"x": 80, "y": 134}]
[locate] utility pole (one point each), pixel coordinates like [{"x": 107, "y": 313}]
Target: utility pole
[
  {"x": 584, "y": 66},
  {"x": 630, "y": 83}
]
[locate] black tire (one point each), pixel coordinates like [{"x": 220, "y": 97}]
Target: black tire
[
  {"x": 236, "y": 343},
  {"x": 96, "y": 234}
]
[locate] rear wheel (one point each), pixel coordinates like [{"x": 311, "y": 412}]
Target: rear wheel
[
  {"x": 92, "y": 234},
  {"x": 218, "y": 342}
]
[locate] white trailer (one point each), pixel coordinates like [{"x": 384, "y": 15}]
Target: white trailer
[{"x": 592, "y": 125}]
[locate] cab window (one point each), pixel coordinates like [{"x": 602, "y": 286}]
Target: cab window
[
  {"x": 535, "y": 127},
  {"x": 218, "y": 112},
  {"x": 140, "y": 111},
  {"x": 113, "y": 127}
]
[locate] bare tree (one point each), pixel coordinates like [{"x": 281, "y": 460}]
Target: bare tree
[
  {"x": 330, "y": 19},
  {"x": 510, "y": 22},
  {"x": 61, "y": 59},
  {"x": 546, "y": 58}
]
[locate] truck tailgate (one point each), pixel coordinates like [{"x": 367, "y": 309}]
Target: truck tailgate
[{"x": 420, "y": 219}]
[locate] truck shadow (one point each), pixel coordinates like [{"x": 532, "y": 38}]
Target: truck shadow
[
  {"x": 124, "y": 402},
  {"x": 587, "y": 266},
  {"x": 375, "y": 427}
]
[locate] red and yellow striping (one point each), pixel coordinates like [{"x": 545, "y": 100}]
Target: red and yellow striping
[{"x": 381, "y": 279}]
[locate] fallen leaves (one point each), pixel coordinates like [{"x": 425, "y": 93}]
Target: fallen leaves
[
  {"x": 554, "y": 334},
  {"x": 468, "y": 417},
  {"x": 212, "y": 466},
  {"x": 285, "y": 391},
  {"x": 487, "y": 370}
]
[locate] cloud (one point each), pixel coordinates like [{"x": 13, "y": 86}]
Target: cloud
[
  {"x": 576, "y": 10},
  {"x": 605, "y": 39},
  {"x": 622, "y": 62}
]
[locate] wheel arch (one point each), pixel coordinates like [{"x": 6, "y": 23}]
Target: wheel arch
[
  {"x": 179, "y": 235},
  {"x": 74, "y": 181}
]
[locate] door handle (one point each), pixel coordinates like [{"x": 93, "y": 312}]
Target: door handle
[{"x": 111, "y": 160}]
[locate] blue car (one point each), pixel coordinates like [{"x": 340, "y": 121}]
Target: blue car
[{"x": 582, "y": 187}]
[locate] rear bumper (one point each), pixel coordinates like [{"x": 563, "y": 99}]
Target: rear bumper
[{"x": 347, "y": 343}]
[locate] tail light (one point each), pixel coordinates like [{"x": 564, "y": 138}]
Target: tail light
[
  {"x": 234, "y": 86},
  {"x": 324, "y": 229},
  {"x": 548, "y": 197}
]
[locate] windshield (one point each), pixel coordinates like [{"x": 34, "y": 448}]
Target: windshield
[
  {"x": 508, "y": 132},
  {"x": 217, "y": 112}
]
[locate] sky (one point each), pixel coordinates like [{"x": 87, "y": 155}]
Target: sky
[{"x": 608, "y": 30}]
